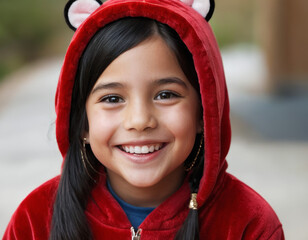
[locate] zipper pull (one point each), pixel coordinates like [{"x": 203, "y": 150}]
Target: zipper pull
[{"x": 135, "y": 235}]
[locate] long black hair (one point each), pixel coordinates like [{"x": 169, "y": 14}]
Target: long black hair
[{"x": 76, "y": 183}]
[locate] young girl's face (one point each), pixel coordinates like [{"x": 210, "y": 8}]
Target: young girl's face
[{"x": 143, "y": 117}]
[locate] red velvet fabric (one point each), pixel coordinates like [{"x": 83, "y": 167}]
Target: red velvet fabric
[{"x": 228, "y": 209}]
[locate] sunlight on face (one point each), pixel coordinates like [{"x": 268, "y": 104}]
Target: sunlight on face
[{"x": 143, "y": 118}]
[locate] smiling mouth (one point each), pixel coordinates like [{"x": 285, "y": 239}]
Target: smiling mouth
[{"x": 144, "y": 149}]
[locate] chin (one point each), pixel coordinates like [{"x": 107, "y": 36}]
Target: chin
[{"x": 141, "y": 183}]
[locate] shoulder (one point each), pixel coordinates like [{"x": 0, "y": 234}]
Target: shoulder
[
  {"x": 242, "y": 197},
  {"x": 41, "y": 197},
  {"x": 32, "y": 218},
  {"x": 262, "y": 221},
  {"x": 245, "y": 213}
]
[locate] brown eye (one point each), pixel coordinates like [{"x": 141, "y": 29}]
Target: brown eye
[
  {"x": 166, "y": 95},
  {"x": 112, "y": 99}
]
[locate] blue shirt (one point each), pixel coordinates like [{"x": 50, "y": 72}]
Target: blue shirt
[{"x": 135, "y": 215}]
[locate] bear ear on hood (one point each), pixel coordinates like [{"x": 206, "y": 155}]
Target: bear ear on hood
[
  {"x": 76, "y": 11},
  {"x": 204, "y": 7}
]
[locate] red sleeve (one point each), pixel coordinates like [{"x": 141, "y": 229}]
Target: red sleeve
[
  {"x": 238, "y": 212},
  {"x": 278, "y": 234},
  {"x": 32, "y": 218}
]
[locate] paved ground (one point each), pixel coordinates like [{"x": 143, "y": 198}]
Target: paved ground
[
  {"x": 269, "y": 148},
  {"x": 28, "y": 154}
]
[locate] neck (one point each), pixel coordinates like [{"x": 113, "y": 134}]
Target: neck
[{"x": 150, "y": 196}]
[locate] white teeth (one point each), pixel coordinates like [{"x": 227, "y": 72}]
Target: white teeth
[
  {"x": 137, "y": 149},
  {"x": 142, "y": 149},
  {"x": 151, "y": 149},
  {"x": 131, "y": 149}
]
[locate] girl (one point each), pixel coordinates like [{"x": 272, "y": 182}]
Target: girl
[{"x": 143, "y": 127}]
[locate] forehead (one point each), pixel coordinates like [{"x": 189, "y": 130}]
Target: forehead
[{"x": 150, "y": 60}]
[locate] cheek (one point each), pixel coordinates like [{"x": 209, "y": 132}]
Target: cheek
[
  {"x": 182, "y": 124},
  {"x": 101, "y": 126},
  {"x": 183, "y": 120}
]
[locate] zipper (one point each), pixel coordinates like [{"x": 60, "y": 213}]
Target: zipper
[{"x": 135, "y": 235}]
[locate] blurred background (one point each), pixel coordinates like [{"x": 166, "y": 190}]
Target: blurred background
[{"x": 265, "y": 52}]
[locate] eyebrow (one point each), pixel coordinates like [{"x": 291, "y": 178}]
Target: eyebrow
[
  {"x": 111, "y": 85},
  {"x": 171, "y": 80},
  {"x": 158, "y": 82}
]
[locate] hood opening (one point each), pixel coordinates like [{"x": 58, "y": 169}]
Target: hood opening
[{"x": 196, "y": 33}]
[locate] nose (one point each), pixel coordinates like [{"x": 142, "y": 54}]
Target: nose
[{"x": 139, "y": 116}]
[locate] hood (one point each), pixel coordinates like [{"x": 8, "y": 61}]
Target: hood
[{"x": 196, "y": 33}]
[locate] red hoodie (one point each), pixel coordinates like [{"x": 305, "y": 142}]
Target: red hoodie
[{"x": 228, "y": 209}]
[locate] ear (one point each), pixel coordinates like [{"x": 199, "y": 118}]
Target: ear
[
  {"x": 204, "y": 7},
  {"x": 76, "y": 11}
]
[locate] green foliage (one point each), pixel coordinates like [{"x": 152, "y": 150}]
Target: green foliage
[
  {"x": 26, "y": 29},
  {"x": 233, "y": 21}
]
